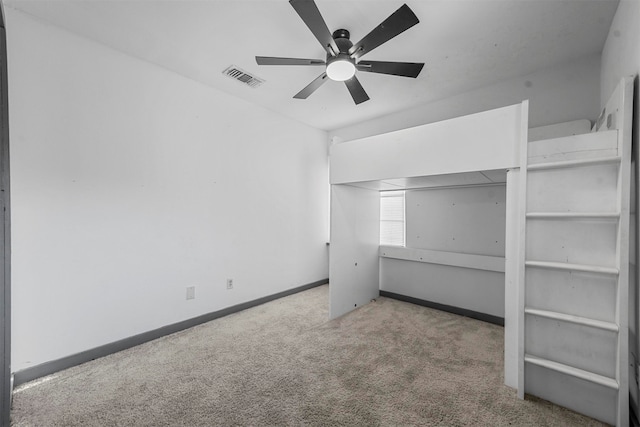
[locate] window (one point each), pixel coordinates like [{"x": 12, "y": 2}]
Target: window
[{"x": 392, "y": 218}]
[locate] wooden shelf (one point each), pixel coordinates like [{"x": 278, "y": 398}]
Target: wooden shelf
[
  {"x": 599, "y": 324},
  {"x": 573, "y": 267},
  {"x": 574, "y": 163},
  {"x": 574, "y": 372}
]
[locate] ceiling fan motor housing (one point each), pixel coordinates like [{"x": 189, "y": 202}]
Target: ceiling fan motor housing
[{"x": 341, "y": 38}]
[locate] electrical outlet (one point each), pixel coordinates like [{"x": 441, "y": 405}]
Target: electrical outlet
[
  {"x": 191, "y": 292},
  {"x": 229, "y": 283}
]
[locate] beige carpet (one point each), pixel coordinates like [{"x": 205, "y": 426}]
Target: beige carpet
[{"x": 388, "y": 363}]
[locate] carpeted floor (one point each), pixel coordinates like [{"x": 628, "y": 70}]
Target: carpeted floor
[{"x": 283, "y": 363}]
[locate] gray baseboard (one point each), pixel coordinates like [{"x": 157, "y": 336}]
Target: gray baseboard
[
  {"x": 489, "y": 318},
  {"x": 48, "y": 368}
]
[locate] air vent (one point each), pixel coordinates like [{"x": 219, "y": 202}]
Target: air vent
[{"x": 242, "y": 76}]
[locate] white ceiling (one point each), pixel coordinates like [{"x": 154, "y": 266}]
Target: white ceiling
[{"x": 466, "y": 44}]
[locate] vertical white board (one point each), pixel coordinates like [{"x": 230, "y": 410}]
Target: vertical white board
[
  {"x": 511, "y": 266},
  {"x": 353, "y": 258}
]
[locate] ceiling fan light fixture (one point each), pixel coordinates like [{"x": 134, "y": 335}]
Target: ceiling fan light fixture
[
  {"x": 343, "y": 57},
  {"x": 340, "y": 68}
]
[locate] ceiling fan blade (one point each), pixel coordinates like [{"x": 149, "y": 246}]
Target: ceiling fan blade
[
  {"x": 308, "y": 11},
  {"x": 271, "y": 60},
  {"x": 404, "y": 69},
  {"x": 356, "y": 90},
  {"x": 399, "y": 21},
  {"x": 311, "y": 87}
]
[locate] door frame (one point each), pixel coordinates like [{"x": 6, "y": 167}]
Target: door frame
[{"x": 6, "y": 384}]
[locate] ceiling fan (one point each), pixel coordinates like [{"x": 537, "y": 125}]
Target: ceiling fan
[{"x": 343, "y": 57}]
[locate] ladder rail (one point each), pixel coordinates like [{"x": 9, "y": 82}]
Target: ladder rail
[
  {"x": 521, "y": 239},
  {"x": 623, "y": 125}
]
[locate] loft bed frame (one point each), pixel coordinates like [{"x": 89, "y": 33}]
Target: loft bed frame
[{"x": 566, "y": 264}]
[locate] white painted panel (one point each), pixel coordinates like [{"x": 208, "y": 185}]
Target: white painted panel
[
  {"x": 576, "y": 293},
  {"x": 558, "y": 130},
  {"x": 589, "y": 242},
  {"x": 578, "y": 346},
  {"x": 511, "y": 316},
  {"x": 355, "y": 236},
  {"x": 482, "y": 141},
  {"x": 578, "y": 189},
  {"x": 468, "y": 220},
  {"x": 586, "y": 146},
  {"x": 591, "y": 399},
  {"x": 477, "y": 290}
]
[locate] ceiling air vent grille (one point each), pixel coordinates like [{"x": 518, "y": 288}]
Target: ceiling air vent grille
[{"x": 242, "y": 76}]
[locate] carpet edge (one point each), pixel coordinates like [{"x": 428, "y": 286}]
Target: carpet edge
[{"x": 489, "y": 318}]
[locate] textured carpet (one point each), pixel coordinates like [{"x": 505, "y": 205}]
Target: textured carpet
[{"x": 388, "y": 363}]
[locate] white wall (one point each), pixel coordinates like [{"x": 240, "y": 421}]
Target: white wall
[
  {"x": 620, "y": 58},
  {"x": 462, "y": 220},
  {"x": 563, "y": 93},
  {"x": 130, "y": 183},
  {"x": 621, "y": 52}
]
